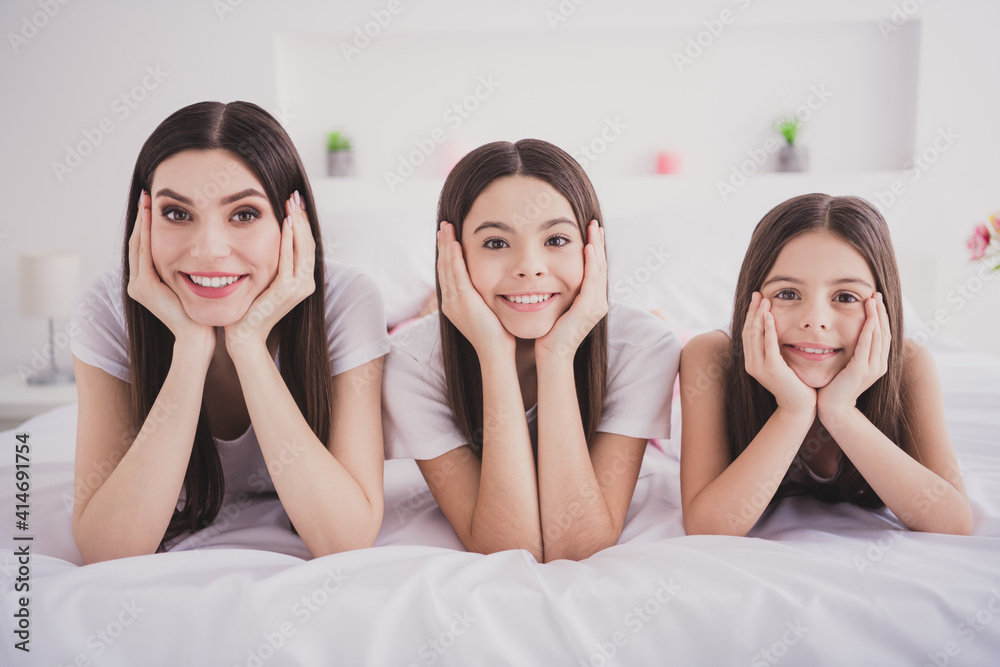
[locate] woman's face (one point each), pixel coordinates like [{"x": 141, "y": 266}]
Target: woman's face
[
  {"x": 817, "y": 288},
  {"x": 214, "y": 237},
  {"x": 524, "y": 251}
]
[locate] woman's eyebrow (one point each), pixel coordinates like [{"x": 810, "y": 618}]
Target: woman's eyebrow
[
  {"x": 504, "y": 227},
  {"x": 167, "y": 192},
  {"x": 242, "y": 194}
]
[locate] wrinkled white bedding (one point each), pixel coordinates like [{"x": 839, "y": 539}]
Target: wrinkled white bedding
[{"x": 813, "y": 585}]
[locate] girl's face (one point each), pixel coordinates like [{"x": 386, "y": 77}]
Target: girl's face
[
  {"x": 214, "y": 238},
  {"x": 524, "y": 250},
  {"x": 817, "y": 288}
]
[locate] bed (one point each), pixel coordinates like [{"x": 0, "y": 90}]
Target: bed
[{"x": 812, "y": 585}]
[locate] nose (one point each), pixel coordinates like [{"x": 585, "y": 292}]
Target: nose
[
  {"x": 816, "y": 315},
  {"x": 530, "y": 262},
  {"x": 211, "y": 241}
]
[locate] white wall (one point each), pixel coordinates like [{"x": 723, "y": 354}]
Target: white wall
[{"x": 66, "y": 79}]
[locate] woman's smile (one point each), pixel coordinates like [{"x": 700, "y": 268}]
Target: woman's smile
[{"x": 217, "y": 254}]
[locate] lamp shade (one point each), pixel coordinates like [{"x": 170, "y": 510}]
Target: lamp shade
[{"x": 48, "y": 284}]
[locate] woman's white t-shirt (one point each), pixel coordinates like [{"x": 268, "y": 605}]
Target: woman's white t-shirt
[
  {"x": 355, "y": 331},
  {"x": 643, "y": 357}
]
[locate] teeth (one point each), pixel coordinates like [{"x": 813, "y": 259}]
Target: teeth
[
  {"x": 205, "y": 281},
  {"x": 534, "y": 298},
  {"x": 812, "y": 350}
]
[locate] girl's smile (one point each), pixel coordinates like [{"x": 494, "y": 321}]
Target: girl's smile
[
  {"x": 812, "y": 351},
  {"x": 530, "y": 302}
]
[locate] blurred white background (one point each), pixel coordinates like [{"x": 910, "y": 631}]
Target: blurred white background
[{"x": 885, "y": 80}]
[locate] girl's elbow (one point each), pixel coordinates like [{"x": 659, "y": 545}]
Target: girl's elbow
[
  {"x": 492, "y": 546},
  {"x": 582, "y": 547},
  {"x": 962, "y": 522},
  {"x": 574, "y": 553},
  {"x": 363, "y": 536},
  {"x": 696, "y": 524}
]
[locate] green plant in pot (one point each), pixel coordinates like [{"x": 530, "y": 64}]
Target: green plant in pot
[
  {"x": 339, "y": 158},
  {"x": 790, "y": 156}
]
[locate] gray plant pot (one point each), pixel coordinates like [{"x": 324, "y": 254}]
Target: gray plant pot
[
  {"x": 793, "y": 158},
  {"x": 340, "y": 164}
]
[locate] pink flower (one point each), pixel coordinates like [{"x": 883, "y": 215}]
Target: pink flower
[
  {"x": 995, "y": 220},
  {"x": 979, "y": 241}
]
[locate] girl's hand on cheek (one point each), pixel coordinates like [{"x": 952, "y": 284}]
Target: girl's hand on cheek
[
  {"x": 869, "y": 362},
  {"x": 146, "y": 287},
  {"x": 765, "y": 363},
  {"x": 294, "y": 281},
  {"x": 462, "y": 304},
  {"x": 589, "y": 306}
]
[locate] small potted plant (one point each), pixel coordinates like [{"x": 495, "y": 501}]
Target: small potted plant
[
  {"x": 339, "y": 159},
  {"x": 790, "y": 156}
]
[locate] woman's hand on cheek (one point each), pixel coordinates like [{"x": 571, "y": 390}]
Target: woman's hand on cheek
[
  {"x": 869, "y": 362},
  {"x": 589, "y": 306},
  {"x": 462, "y": 304},
  {"x": 765, "y": 363},
  {"x": 146, "y": 287},
  {"x": 294, "y": 282}
]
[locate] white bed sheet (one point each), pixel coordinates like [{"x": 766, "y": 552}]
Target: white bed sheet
[{"x": 813, "y": 584}]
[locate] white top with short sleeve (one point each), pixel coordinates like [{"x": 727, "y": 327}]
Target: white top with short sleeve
[
  {"x": 643, "y": 357},
  {"x": 355, "y": 330}
]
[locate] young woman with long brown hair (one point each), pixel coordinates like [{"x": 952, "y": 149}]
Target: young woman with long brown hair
[
  {"x": 227, "y": 356},
  {"x": 819, "y": 393},
  {"x": 528, "y": 400}
]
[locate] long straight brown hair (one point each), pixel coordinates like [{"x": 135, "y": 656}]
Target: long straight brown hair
[
  {"x": 463, "y": 376},
  {"x": 748, "y": 404},
  {"x": 259, "y": 141}
]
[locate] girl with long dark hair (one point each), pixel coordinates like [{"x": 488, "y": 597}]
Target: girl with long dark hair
[
  {"x": 528, "y": 400},
  {"x": 816, "y": 391},
  {"x": 227, "y": 356}
]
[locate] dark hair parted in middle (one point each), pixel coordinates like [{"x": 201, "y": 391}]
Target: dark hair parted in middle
[
  {"x": 748, "y": 404},
  {"x": 258, "y": 140},
  {"x": 474, "y": 173}
]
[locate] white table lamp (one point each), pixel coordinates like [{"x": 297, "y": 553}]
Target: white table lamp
[{"x": 48, "y": 284}]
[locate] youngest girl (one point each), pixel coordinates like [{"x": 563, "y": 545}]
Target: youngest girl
[{"x": 819, "y": 394}]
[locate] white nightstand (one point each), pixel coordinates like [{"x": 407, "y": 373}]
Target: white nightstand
[{"x": 19, "y": 400}]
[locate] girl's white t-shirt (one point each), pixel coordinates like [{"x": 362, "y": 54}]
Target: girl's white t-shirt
[
  {"x": 643, "y": 357},
  {"x": 355, "y": 331}
]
